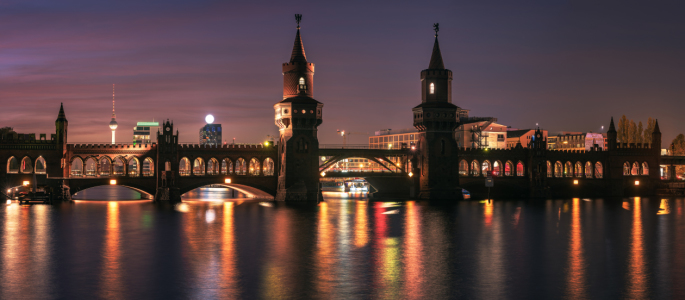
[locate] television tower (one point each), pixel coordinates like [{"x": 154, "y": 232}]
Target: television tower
[{"x": 113, "y": 124}]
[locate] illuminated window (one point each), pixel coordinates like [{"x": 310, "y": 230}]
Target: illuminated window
[
  {"x": 432, "y": 89},
  {"x": 302, "y": 86},
  {"x": 301, "y": 80}
]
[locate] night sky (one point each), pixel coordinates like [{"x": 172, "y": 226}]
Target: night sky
[{"x": 568, "y": 65}]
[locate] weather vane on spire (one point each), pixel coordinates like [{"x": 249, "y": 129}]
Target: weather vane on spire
[
  {"x": 298, "y": 18},
  {"x": 436, "y": 27}
]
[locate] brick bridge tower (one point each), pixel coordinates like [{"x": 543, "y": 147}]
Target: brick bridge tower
[
  {"x": 167, "y": 164},
  {"x": 436, "y": 119},
  {"x": 297, "y": 116},
  {"x": 61, "y": 125}
]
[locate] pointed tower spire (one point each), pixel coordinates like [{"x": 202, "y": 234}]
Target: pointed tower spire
[
  {"x": 298, "y": 49},
  {"x": 436, "y": 57},
  {"x": 61, "y": 116},
  {"x": 656, "y": 127},
  {"x": 612, "y": 128}
]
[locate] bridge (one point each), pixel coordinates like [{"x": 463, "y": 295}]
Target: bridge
[{"x": 433, "y": 168}]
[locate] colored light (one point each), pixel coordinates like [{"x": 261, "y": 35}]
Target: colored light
[
  {"x": 411, "y": 174},
  {"x": 323, "y": 174},
  {"x": 637, "y": 182},
  {"x": 227, "y": 180},
  {"x": 26, "y": 183},
  {"x": 209, "y": 119},
  {"x": 113, "y": 182},
  {"x": 575, "y": 181}
]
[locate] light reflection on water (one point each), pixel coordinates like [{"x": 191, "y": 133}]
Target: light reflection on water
[{"x": 345, "y": 248}]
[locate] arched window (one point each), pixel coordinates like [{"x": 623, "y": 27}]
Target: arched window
[
  {"x": 213, "y": 167},
  {"x": 184, "y": 168},
  {"x": 579, "y": 169},
  {"x": 105, "y": 166},
  {"x": 568, "y": 169},
  {"x": 240, "y": 166},
  {"x": 199, "y": 167},
  {"x": 133, "y": 167},
  {"x": 167, "y": 165},
  {"x": 118, "y": 166},
  {"x": 431, "y": 89},
  {"x": 520, "y": 171},
  {"x": 13, "y": 165},
  {"x": 301, "y": 80},
  {"x": 558, "y": 169},
  {"x": 40, "y": 165},
  {"x": 475, "y": 168},
  {"x": 508, "y": 167},
  {"x": 645, "y": 168},
  {"x": 302, "y": 85},
  {"x": 588, "y": 169},
  {"x": 254, "y": 166},
  {"x": 485, "y": 168},
  {"x": 226, "y": 166},
  {"x": 77, "y": 167},
  {"x": 148, "y": 167},
  {"x": 268, "y": 167},
  {"x": 598, "y": 170},
  {"x": 91, "y": 167},
  {"x": 636, "y": 169},
  {"x": 497, "y": 168},
  {"x": 26, "y": 165},
  {"x": 463, "y": 168},
  {"x": 550, "y": 171},
  {"x": 626, "y": 169}
]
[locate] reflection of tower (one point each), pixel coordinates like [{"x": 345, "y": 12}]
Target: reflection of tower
[{"x": 113, "y": 124}]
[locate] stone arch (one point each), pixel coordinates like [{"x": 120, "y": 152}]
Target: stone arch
[
  {"x": 148, "y": 167},
  {"x": 568, "y": 169},
  {"x": 550, "y": 170},
  {"x": 508, "y": 168},
  {"x": 39, "y": 166},
  {"x": 250, "y": 190},
  {"x": 475, "y": 168},
  {"x": 226, "y": 166},
  {"x": 12, "y": 165},
  {"x": 184, "y": 167},
  {"x": 255, "y": 165},
  {"x": 558, "y": 169},
  {"x": 90, "y": 166},
  {"x": 588, "y": 169},
  {"x": 119, "y": 165},
  {"x": 645, "y": 168},
  {"x": 198, "y": 166},
  {"x": 578, "y": 172},
  {"x": 520, "y": 169},
  {"x": 104, "y": 166},
  {"x": 268, "y": 167},
  {"x": 240, "y": 166},
  {"x": 76, "y": 164},
  {"x": 485, "y": 167},
  {"x": 626, "y": 169},
  {"x": 26, "y": 166},
  {"x": 133, "y": 167},
  {"x": 213, "y": 167},
  {"x": 497, "y": 168},
  {"x": 463, "y": 168},
  {"x": 635, "y": 170},
  {"x": 599, "y": 170}
]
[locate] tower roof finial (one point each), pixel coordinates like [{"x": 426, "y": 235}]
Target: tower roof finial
[
  {"x": 436, "y": 57},
  {"x": 298, "y": 49}
]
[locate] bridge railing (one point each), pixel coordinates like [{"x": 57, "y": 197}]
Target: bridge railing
[{"x": 341, "y": 146}]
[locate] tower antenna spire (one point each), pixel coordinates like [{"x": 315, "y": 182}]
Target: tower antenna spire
[
  {"x": 436, "y": 27},
  {"x": 113, "y": 99},
  {"x": 298, "y": 18},
  {"x": 113, "y": 124}
]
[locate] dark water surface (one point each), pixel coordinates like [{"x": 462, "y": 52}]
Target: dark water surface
[{"x": 345, "y": 248}]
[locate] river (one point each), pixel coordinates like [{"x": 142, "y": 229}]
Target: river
[{"x": 213, "y": 247}]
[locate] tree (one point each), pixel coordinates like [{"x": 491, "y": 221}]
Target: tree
[
  {"x": 6, "y": 130},
  {"x": 632, "y": 132},
  {"x": 639, "y": 139},
  {"x": 649, "y": 130},
  {"x": 678, "y": 148},
  {"x": 622, "y": 129}
]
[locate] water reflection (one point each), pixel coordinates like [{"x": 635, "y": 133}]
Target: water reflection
[
  {"x": 637, "y": 277},
  {"x": 230, "y": 280},
  {"x": 110, "y": 277},
  {"x": 413, "y": 253},
  {"x": 576, "y": 273}
]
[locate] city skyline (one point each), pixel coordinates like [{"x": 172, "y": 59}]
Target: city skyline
[{"x": 523, "y": 65}]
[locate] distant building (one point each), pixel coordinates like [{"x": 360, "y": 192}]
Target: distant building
[
  {"x": 210, "y": 134},
  {"x": 143, "y": 131},
  {"x": 483, "y": 133},
  {"x": 524, "y": 136},
  {"x": 576, "y": 141},
  {"x": 393, "y": 139}
]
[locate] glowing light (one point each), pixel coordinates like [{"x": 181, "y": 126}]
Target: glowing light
[
  {"x": 209, "y": 119},
  {"x": 227, "y": 180},
  {"x": 389, "y": 145},
  {"x": 113, "y": 182},
  {"x": 210, "y": 216},
  {"x": 9, "y": 201},
  {"x": 323, "y": 174},
  {"x": 266, "y": 143},
  {"x": 26, "y": 183},
  {"x": 637, "y": 182},
  {"x": 182, "y": 207},
  {"x": 575, "y": 181},
  {"x": 411, "y": 174},
  {"x": 9, "y": 191}
]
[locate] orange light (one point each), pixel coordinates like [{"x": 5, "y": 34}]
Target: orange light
[
  {"x": 113, "y": 182},
  {"x": 411, "y": 174},
  {"x": 637, "y": 182},
  {"x": 26, "y": 183},
  {"x": 575, "y": 181},
  {"x": 227, "y": 180},
  {"x": 323, "y": 174}
]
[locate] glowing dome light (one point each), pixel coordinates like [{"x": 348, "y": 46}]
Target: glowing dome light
[{"x": 209, "y": 119}]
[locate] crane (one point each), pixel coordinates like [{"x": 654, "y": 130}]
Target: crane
[{"x": 344, "y": 135}]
